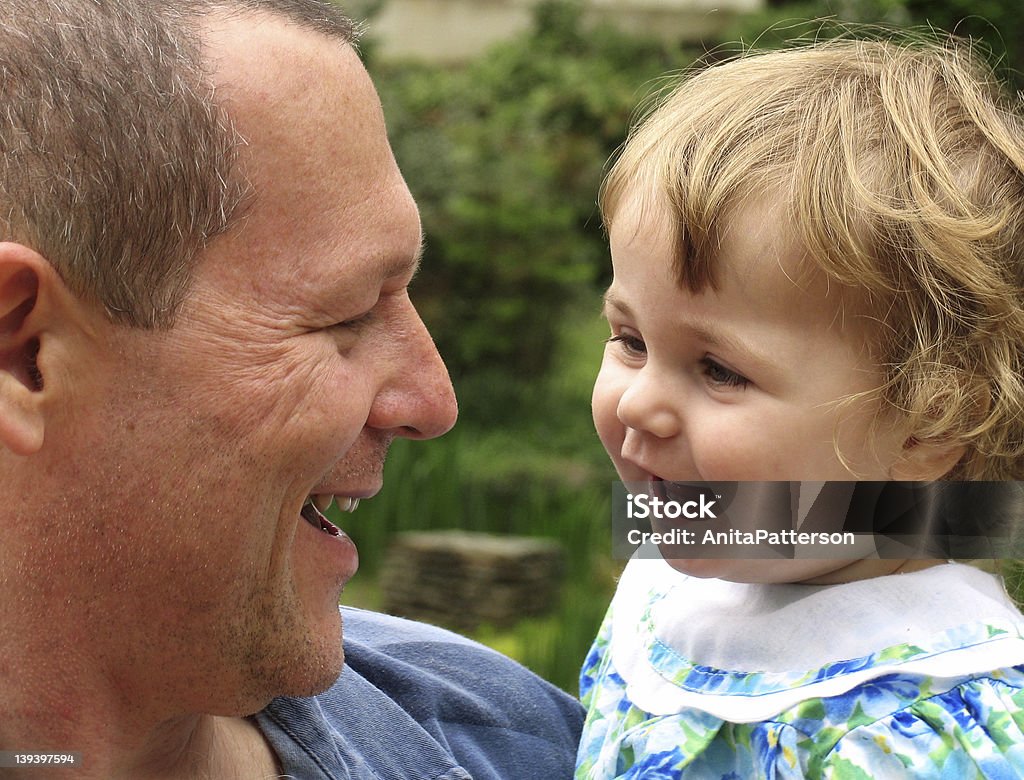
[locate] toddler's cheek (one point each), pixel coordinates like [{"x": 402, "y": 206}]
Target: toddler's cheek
[
  {"x": 612, "y": 435},
  {"x": 722, "y": 457},
  {"x": 604, "y": 408}
]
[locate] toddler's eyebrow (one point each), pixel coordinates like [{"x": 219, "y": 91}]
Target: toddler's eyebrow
[
  {"x": 611, "y": 300},
  {"x": 733, "y": 346},
  {"x": 704, "y": 332}
]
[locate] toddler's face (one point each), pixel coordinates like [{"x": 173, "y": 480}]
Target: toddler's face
[{"x": 739, "y": 383}]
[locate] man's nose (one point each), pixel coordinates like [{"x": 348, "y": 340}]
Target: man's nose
[
  {"x": 418, "y": 402},
  {"x": 648, "y": 404}
]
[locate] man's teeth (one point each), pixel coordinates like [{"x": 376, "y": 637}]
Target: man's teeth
[
  {"x": 323, "y": 501},
  {"x": 348, "y": 504}
]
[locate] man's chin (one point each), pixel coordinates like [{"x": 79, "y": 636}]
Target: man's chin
[
  {"x": 320, "y": 668},
  {"x": 308, "y": 664},
  {"x": 312, "y": 675},
  {"x": 321, "y": 681}
]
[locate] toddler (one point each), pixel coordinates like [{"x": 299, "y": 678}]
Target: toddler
[{"x": 818, "y": 268}]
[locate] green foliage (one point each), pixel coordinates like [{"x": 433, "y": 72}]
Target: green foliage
[
  {"x": 504, "y": 157},
  {"x": 438, "y": 485},
  {"x": 545, "y": 475},
  {"x": 997, "y": 25}
]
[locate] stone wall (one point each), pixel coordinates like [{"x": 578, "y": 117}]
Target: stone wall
[{"x": 462, "y": 580}]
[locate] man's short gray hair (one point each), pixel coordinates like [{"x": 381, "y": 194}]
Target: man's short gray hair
[{"x": 116, "y": 162}]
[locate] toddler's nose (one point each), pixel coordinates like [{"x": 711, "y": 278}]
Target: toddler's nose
[{"x": 645, "y": 406}]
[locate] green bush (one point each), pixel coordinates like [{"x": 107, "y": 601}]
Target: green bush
[
  {"x": 545, "y": 476},
  {"x": 504, "y": 156},
  {"x": 997, "y": 24}
]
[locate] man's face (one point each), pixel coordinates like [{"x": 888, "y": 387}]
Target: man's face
[{"x": 296, "y": 360}]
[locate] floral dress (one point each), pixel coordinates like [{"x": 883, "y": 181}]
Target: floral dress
[{"x": 946, "y": 704}]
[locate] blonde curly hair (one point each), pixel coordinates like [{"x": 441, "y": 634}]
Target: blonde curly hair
[{"x": 901, "y": 167}]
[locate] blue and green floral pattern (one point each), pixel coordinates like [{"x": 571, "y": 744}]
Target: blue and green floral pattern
[{"x": 895, "y": 725}]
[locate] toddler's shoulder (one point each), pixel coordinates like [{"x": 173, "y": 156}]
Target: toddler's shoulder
[{"x": 971, "y": 730}]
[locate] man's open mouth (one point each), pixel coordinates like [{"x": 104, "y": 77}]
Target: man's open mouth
[{"x": 315, "y": 506}]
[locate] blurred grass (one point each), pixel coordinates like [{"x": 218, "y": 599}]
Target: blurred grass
[
  {"x": 1012, "y": 572},
  {"x": 547, "y": 477}
]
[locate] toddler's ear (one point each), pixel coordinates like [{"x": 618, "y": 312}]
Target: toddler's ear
[{"x": 925, "y": 461}]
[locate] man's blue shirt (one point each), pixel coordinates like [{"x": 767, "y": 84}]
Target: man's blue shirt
[{"x": 415, "y": 702}]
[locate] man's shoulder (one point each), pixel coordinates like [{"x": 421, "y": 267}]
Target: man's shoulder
[
  {"x": 441, "y": 677},
  {"x": 418, "y": 701},
  {"x": 377, "y": 629}
]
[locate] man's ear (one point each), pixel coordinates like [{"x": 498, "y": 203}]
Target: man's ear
[
  {"x": 926, "y": 461},
  {"x": 24, "y": 278}
]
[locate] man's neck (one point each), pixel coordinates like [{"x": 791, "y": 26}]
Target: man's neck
[
  {"x": 65, "y": 687},
  {"x": 193, "y": 748},
  {"x": 217, "y": 747},
  {"x": 50, "y": 701}
]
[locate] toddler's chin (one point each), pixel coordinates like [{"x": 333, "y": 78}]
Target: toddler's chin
[{"x": 776, "y": 571}]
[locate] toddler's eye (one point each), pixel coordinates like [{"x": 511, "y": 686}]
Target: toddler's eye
[
  {"x": 632, "y": 345},
  {"x": 721, "y": 376}
]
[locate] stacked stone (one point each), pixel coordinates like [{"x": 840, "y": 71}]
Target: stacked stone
[{"x": 462, "y": 580}]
